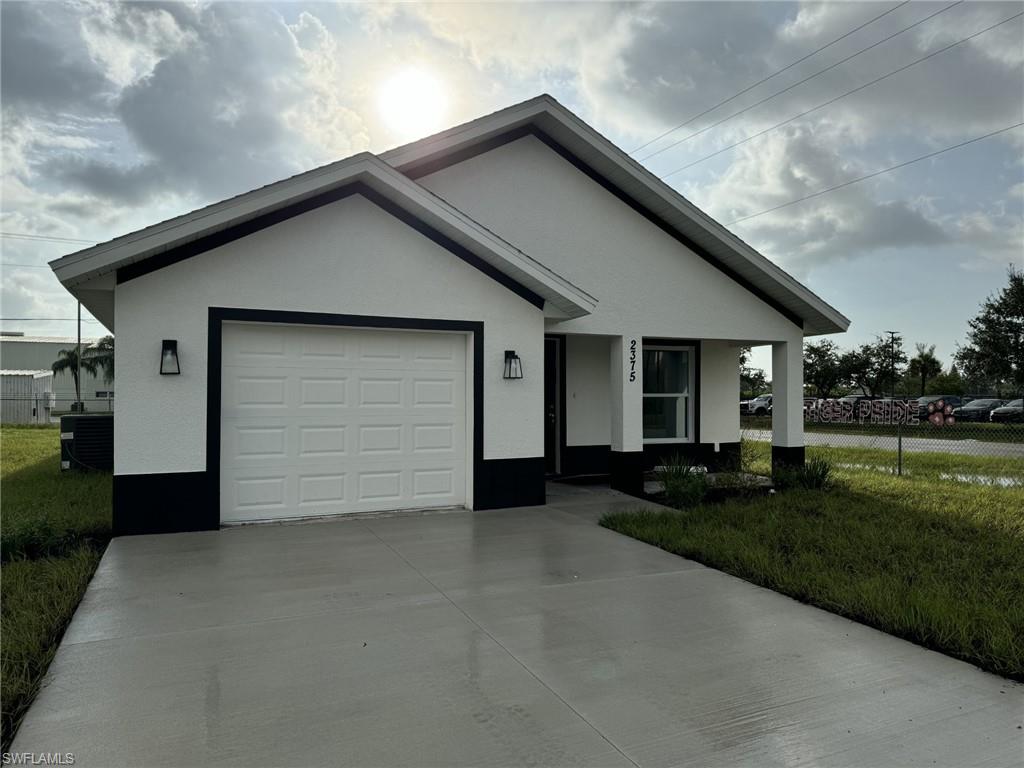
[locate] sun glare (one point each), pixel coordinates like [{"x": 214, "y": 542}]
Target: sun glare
[{"x": 412, "y": 103}]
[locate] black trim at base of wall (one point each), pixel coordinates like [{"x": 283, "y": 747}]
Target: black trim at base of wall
[
  {"x": 596, "y": 459},
  {"x": 170, "y": 502},
  {"x": 626, "y": 470},
  {"x": 585, "y": 460},
  {"x": 726, "y": 458},
  {"x": 787, "y": 456},
  {"x": 509, "y": 483}
]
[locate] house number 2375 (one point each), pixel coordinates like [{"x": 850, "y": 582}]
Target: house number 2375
[{"x": 632, "y": 359}]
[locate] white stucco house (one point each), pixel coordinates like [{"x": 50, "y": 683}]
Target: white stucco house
[{"x": 344, "y": 338}]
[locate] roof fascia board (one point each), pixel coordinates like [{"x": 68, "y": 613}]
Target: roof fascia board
[
  {"x": 566, "y": 131},
  {"x": 196, "y": 233},
  {"x": 151, "y": 240},
  {"x": 677, "y": 202}
]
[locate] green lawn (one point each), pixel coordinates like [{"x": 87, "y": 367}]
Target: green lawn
[
  {"x": 964, "y": 430},
  {"x": 938, "y": 466},
  {"x": 939, "y": 563},
  {"x": 54, "y": 529}
]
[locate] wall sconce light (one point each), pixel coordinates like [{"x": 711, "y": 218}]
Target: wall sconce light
[
  {"x": 513, "y": 365},
  {"x": 169, "y": 358}
]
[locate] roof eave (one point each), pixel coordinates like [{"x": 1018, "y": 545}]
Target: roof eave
[{"x": 89, "y": 264}]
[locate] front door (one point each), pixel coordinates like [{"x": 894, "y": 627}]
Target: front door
[{"x": 551, "y": 405}]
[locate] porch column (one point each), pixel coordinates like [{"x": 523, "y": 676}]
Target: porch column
[
  {"x": 788, "y": 403},
  {"x": 626, "y": 410}
]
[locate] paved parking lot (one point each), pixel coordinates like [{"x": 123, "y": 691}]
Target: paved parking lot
[{"x": 512, "y": 637}]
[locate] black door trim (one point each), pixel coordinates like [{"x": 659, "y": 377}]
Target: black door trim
[
  {"x": 219, "y": 315},
  {"x": 560, "y": 338}
]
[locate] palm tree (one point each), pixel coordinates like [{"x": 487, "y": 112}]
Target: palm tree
[
  {"x": 101, "y": 354},
  {"x": 67, "y": 360},
  {"x": 924, "y": 365}
]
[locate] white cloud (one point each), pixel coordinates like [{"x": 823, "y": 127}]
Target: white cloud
[
  {"x": 128, "y": 41},
  {"x": 994, "y": 237},
  {"x": 841, "y": 225},
  {"x": 118, "y": 115}
]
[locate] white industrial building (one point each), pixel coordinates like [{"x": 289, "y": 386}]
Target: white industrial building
[{"x": 19, "y": 352}]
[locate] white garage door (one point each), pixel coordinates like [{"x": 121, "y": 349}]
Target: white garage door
[{"x": 323, "y": 421}]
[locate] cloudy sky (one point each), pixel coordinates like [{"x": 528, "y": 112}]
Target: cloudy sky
[{"x": 117, "y": 116}]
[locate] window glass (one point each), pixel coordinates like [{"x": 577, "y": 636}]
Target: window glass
[
  {"x": 666, "y": 371},
  {"x": 666, "y": 418}
]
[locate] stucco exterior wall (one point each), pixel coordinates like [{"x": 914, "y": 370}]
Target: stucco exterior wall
[
  {"x": 349, "y": 257},
  {"x": 587, "y": 406},
  {"x": 719, "y": 392},
  {"x": 645, "y": 280}
]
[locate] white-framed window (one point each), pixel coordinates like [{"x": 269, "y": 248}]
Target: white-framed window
[{"x": 668, "y": 385}]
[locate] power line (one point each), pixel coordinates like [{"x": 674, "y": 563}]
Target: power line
[
  {"x": 49, "y": 238},
  {"x": 875, "y": 173},
  {"x": 29, "y": 266},
  {"x": 799, "y": 83},
  {"x": 841, "y": 96},
  {"x": 44, "y": 319},
  {"x": 769, "y": 77}
]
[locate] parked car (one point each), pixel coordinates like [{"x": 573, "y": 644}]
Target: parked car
[
  {"x": 923, "y": 402},
  {"x": 1011, "y": 412},
  {"x": 976, "y": 410},
  {"x": 758, "y": 406}
]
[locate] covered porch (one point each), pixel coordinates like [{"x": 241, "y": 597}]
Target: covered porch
[{"x": 621, "y": 405}]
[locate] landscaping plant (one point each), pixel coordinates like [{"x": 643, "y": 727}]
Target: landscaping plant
[{"x": 685, "y": 483}]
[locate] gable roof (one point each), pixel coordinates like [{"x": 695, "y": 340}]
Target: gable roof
[
  {"x": 132, "y": 255},
  {"x": 389, "y": 179},
  {"x": 595, "y": 155}
]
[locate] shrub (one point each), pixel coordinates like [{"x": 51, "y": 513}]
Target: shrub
[
  {"x": 685, "y": 483},
  {"x": 814, "y": 475}
]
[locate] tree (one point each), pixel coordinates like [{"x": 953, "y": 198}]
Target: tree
[
  {"x": 67, "y": 360},
  {"x": 753, "y": 381},
  {"x": 102, "y": 355},
  {"x": 874, "y": 367},
  {"x": 822, "y": 372},
  {"x": 993, "y": 358},
  {"x": 947, "y": 383},
  {"x": 924, "y": 366}
]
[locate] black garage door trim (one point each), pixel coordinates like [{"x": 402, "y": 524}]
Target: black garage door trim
[
  {"x": 220, "y": 315},
  {"x": 166, "y": 502}
]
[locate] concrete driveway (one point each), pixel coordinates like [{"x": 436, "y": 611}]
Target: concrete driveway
[{"x": 516, "y": 637}]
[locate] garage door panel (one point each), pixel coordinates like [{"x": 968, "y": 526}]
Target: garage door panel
[
  {"x": 322, "y": 441},
  {"x": 380, "y": 392},
  {"x": 322, "y": 391},
  {"x": 323, "y": 421}
]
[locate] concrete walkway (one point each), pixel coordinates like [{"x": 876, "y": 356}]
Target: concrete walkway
[{"x": 515, "y": 637}]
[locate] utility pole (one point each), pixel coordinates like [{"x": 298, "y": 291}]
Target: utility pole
[
  {"x": 892, "y": 360},
  {"x": 78, "y": 364},
  {"x": 899, "y": 424}
]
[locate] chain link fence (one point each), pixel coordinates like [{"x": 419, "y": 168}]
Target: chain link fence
[
  {"x": 937, "y": 440},
  {"x": 46, "y": 408}
]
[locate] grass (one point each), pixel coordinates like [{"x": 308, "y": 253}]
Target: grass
[
  {"x": 54, "y": 528},
  {"x": 926, "y": 465},
  {"x": 938, "y": 563},
  {"x": 965, "y": 430}
]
